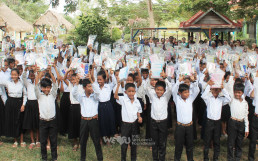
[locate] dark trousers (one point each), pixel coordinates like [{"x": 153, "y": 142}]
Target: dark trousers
[
  {"x": 90, "y": 127},
  {"x": 184, "y": 136},
  {"x": 253, "y": 138},
  {"x": 159, "y": 131},
  {"x": 236, "y": 133},
  {"x": 129, "y": 132},
  {"x": 48, "y": 129},
  {"x": 212, "y": 132}
]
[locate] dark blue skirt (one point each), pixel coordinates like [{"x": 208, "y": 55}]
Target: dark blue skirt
[
  {"x": 2, "y": 117},
  {"x": 106, "y": 118},
  {"x": 31, "y": 115},
  {"x": 74, "y": 121},
  {"x": 13, "y": 117},
  {"x": 64, "y": 113}
]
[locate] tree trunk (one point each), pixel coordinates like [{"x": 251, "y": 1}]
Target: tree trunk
[{"x": 150, "y": 11}]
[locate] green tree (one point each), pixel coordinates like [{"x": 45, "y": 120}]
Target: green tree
[
  {"x": 116, "y": 34},
  {"x": 247, "y": 9},
  {"x": 193, "y": 7},
  {"x": 91, "y": 25}
]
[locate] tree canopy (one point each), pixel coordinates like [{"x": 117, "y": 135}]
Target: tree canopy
[{"x": 29, "y": 10}]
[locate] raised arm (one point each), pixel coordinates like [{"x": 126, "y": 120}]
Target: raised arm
[
  {"x": 227, "y": 98},
  {"x": 24, "y": 77},
  {"x": 65, "y": 77},
  {"x": 117, "y": 88},
  {"x": 52, "y": 77},
  {"x": 196, "y": 91},
  {"x": 139, "y": 83},
  {"x": 205, "y": 95},
  {"x": 57, "y": 72},
  {"x": 25, "y": 96},
  {"x": 75, "y": 92}
]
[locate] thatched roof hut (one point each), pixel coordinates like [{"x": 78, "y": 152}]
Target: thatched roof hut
[
  {"x": 2, "y": 22},
  {"x": 12, "y": 21},
  {"x": 53, "y": 19}
]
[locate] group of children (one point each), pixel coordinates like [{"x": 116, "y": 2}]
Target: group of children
[{"x": 102, "y": 106}]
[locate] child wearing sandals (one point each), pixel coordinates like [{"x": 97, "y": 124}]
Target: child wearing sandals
[
  {"x": 15, "y": 106},
  {"x": 31, "y": 113}
]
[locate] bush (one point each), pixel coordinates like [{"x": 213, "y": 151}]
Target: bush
[
  {"x": 116, "y": 34},
  {"x": 127, "y": 37},
  {"x": 249, "y": 42}
]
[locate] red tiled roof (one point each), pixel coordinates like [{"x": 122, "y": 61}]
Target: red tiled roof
[{"x": 189, "y": 23}]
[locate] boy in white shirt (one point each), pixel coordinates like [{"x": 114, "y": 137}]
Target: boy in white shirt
[
  {"x": 47, "y": 109},
  {"x": 184, "y": 99},
  {"x": 89, "y": 102},
  {"x": 131, "y": 109},
  {"x": 238, "y": 125},
  {"x": 159, "y": 114},
  {"x": 214, "y": 101}
]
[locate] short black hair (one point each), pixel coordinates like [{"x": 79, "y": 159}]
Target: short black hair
[
  {"x": 187, "y": 77},
  {"x": 183, "y": 87},
  {"x": 131, "y": 75},
  {"x": 10, "y": 60},
  {"x": 16, "y": 70},
  {"x": 238, "y": 80},
  {"x": 118, "y": 70},
  {"x": 74, "y": 75},
  {"x": 226, "y": 75},
  {"x": 128, "y": 85},
  {"x": 145, "y": 70},
  {"x": 31, "y": 72},
  {"x": 160, "y": 84},
  {"x": 85, "y": 82},
  {"x": 45, "y": 82},
  {"x": 102, "y": 74},
  {"x": 48, "y": 75},
  {"x": 239, "y": 87}
]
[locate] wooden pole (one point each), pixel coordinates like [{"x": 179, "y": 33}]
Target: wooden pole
[
  {"x": 188, "y": 36},
  {"x": 210, "y": 34},
  {"x": 229, "y": 37},
  {"x": 131, "y": 34},
  {"x": 222, "y": 37}
]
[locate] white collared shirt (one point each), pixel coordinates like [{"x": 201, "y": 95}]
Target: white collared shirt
[
  {"x": 105, "y": 92},
  {"x": 159, "y": 105},
  {"x": 129, "y": 109},
  {"x": 214, "y": 105},
  {"x": 3, "y": 94},
  {"x": 80, "y": 90},
  {"x": 6, "y": 75},
  {"x": 16, "y": 90},
  {"x": 238, "y": 109},
  {"x": 255, "y": 101},
  {"x": 184, "y": 108},
  {"x": 29, "y": 86},
  {"x": 141, "y": 93},
  {"x": 47, "y": 103},
  {"x": 89, "y": 105}
]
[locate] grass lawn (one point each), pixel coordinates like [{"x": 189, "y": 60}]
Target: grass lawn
[{"x": 110, "y": 153}]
